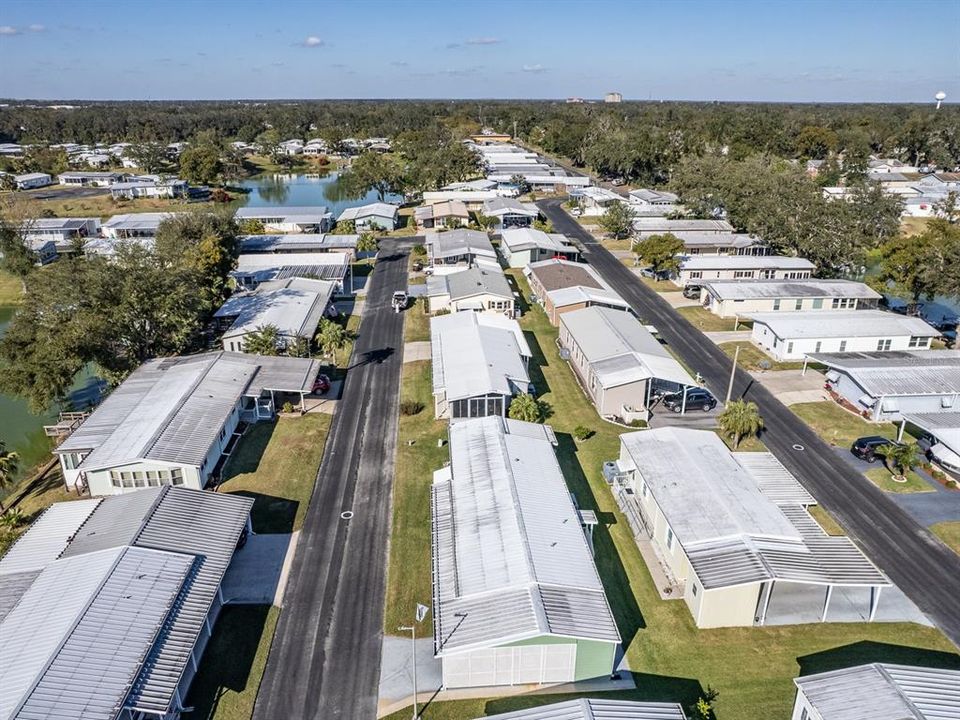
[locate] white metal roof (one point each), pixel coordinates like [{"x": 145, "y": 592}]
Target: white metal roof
[
  {"x": 297, "y": 242},
  {"x": 459, "y": 242},
  {"x": 809, "y": 287},
  {"x": 519, "y": 239},
  {"x": 289, "y": 214},
  {"x": 597, "y": 709},
  {"x": 654, "y": 225},
  {"x": 510, "y": 557},
  {"x": 698, "y": 238},
  {"x": 294, "y": 306},
  {"x": 945, "y": 426},
  {"x": 47, "y": 537},
  {"x": 843, "y": 324},
  {"x": 173, "y": 409},
  {"x": 653, "y": 196},
  {"x": 486, "y": 280},
  {"x": 923, "y": 372},
  {"x": 477, "y": 353},
  {"x": 746, "y": 262},
  {"x": 498, "y": 206},
  {"x": 278, "y": 266},
  {"x": 377, "y": 209},
  {"x": 619, "y": 349},
  {"x": 580, "y": 294},
  {"x": 884, "y": 690},
  {"x": 137, "y": 221}
]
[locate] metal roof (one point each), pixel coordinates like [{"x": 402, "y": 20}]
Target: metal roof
[
  {"x": 945, "y": 426},
  {"x": 137, "y": 221},
  {"x": 655, "y": 225},
  {"x": 510, "y": 558},
  {"x": 461, "y": 241},
  {"x": 619, "y": 349},
  {"x": 117, "y": 522},
  {"x": 740, "y": 519},
  {"x": 276, "y": 266},
  {"x": 597, "y": 709},
  {"x": 377, "y": 209},
  {"x": 808, "y": 287},
  {"x": 883, "y": 690},
  {"x": 12, "y": 587},
  {"x": 495, "y": 207},
  {"x": 75, "y": 642},
  {"x": 486, "y": 280},
  {"x": 591, "y": 296},
  {"x": 46, "y": 538},
  {"x": 746, "y": 262},
  {"x": 314, "y": 214},
  {"x": 923, "y": 372},
  {"x": 654, "y": 196},
  {"x": 173, "y": 409},
  {"x": 297, "y": 242},
  {"x": 476, "y": 354},
  {"x": 843, "y": 324},
  {"x": 519, "y": 239},
  {"x": 294, "y": 306},
  {"x": 695, "y": 238}
]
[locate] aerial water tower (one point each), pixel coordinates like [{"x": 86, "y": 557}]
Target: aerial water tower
[{"x": 940, "y": 97}]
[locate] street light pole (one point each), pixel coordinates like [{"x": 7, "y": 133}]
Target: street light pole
[
  {"x": 413, "y": 649},
  {"x": 733, "y": 372}
]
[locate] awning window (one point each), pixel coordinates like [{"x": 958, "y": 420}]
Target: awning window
[
  {"x": 867, "y": 401},
  {"x": 833, "y": 375},
  {"x": 947, "y": 401},
  {"x": 890, "y": 405}
]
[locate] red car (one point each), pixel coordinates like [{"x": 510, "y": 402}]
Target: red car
[{"x": 321, "y": 385}]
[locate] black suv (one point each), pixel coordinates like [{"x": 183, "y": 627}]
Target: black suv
[
  {"x": 696, "y": 398},
  {"x": 868, "y": 448}
]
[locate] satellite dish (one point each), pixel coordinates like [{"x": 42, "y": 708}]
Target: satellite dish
[{"x": 940, "y": 97}]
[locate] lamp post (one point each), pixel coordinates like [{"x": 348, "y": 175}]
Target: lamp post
[{"x": 420, "y": 614}]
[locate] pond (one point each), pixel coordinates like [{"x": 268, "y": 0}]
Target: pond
[
  {"x": 303, "y": 190},
  {"x": 22, "y": 431}
]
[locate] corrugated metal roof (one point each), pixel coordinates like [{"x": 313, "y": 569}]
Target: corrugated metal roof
[
  {"x": 495, "y": 207},
  {"x": 196, "y": 523},
  {"x": 477, "y": 281},
  {"x": 12, "y": 587},
  {"x": 116, "y": 522},
  {"x": 297, "y": 242},
  {"x": 577, "y": 295},
  {"x": 458, "y": 242},
  {"x": 294, "y": 306},
  {"x": 924, "y": 372},
  {"x": 510, "y": 557},
  {"x": 476, "y": 354},
  {"x": 377, "y": 209},
  {"x": 290, "y": 214},
  {"x": 843, "y": 324},
  {"x": 945, "y": 426},
  {"x": 746, "y": 262},
  {"x": 597, "y": 709},
  {"x": 666, "y": 225},
  {"x": 788, "y": 289},
  {"x": 519, "y": 239},
  {"x": 604, "y": 334},
  {"x": 47, "y": 537},
  {"x": 773, "y": 479},
  {"x": 883, "y": 690}
]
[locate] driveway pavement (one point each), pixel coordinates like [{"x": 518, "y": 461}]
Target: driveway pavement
[
  {"x": 419, "y": 350},
  {"x": 792, "y": 386},
  {"x": 256, "y": 573}
]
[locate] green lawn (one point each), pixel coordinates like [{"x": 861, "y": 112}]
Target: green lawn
[
  {"x": 881, "y": 477},
  {"x": 753, "y": 668},
  {"x": 949, "y": 533},
  {"x": 11, "y": 289},
  {"x": 276, "y": 464},
  {"x": 751, "y": 356},
  {"x": 226, "y": 685},
  {"x": 416, "y": 322},
  {"x": 660, "y": 286},
  {"x": 708, "y": 322},
  {"x": 838, "y": 426},
  {"x": 826, "y": 520}
]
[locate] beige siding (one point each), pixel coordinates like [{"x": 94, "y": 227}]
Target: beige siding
[{"x": 723, "y": 607}]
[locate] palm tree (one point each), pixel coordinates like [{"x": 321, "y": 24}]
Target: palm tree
[
  {"x": 900, "y": 458},
  {"x": 12, "y": 519},
  {"x": 9, "y": 463},
  {"x": 740, "y": 419},
  {"x": 265, "y": 340},
  {"x": 330, "y": 337},
  {"x": 527, "y": 408}
]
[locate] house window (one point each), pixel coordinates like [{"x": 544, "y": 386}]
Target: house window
[
  {"x": 695, "y": 274},
  {"x": 176, "y": 476},
  {"x": 843, "y": 345},
  {"x": 804, "y": 715},
  {"x": 798, "y": 305},
  {"x": 816, "y": 348},
  {"x": 884, "y": 344},
  {"x": 789, "y": 347},
  {"x": 919, "y": 342},
  {"x": 115, "y": 478},
  {"x": 669, "y": 539},
  {"x": 737, "y": 274},
  {"x": 776, "y": 304},
  {"x": 818, "y": 303},
  {"x": 694, "y": 589},
  {"x": 643, "y": 488}
]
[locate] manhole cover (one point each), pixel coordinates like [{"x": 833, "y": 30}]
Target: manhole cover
[
  {"x": 799, "y": 447},
  {"x": 346, "y": 514}
]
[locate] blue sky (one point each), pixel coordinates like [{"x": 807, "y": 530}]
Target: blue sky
[{"x": 779, "y": 50}]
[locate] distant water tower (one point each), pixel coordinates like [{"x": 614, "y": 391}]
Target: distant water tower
[{"x": 940, "y": 97}]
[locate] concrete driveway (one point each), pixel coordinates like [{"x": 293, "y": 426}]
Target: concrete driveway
[
  {"x": 418, "y": 350},
  {"x": 791, "y": 386},
  {"x": 257, "y": 573}
]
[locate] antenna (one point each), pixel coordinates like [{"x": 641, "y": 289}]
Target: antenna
[{"x": 940, "y": 97}]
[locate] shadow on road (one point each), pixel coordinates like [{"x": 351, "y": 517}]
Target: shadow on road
[{"x": 377, "y": 356}]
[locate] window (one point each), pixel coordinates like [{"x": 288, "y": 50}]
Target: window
[
  {"x": 176, "y": 476},
  {"x": 789, "y": 347},
  {"x": 799, "y": 304},
  {"x": 804, "y": 715},
  {"x": 694, "y": 589},
  {"x": 816, "y": 348},
  {"x": 768, "y": 274},
  {"x": 643, "y": 488},
  {"x": 884, "y": 344},
  {"x": 669, "y": 539},
  {"x": 695, "y": 274},
  {"x": 919, "y": 342},
  {"x": 776, "y": 304},
  {"x": 843, "y": 345},
  {"x": 742, "y": 274},
  {"x": 818, "y": 303},
  {"x": 115, "y": 478},
  {"x": 844, "y": 303}
]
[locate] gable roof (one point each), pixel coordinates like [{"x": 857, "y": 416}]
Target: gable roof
[
  {"x": 486, "y": 280},
  {"x": 294, "y": 306},
  {"x": 461, "y": 241},
  {"x": 596, "y": 709},
  {"x": 905, "y": 372},
  {"x": 746, "y": 262},
  {"x": 510, "y": 557},
  {"x": 520, "y": 239},
  {"x": 286, "y": 213},
  {"x": 810, "y": 287},
  {"x": 499, "y": 206},
  {"x": 377, "y": 209},
  {"x": 853, "y": 323}
]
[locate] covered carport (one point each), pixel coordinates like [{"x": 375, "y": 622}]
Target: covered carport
[{"x": 944, "y": 430}]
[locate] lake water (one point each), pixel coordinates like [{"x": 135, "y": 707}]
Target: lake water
[
  {"x": 22, "y": 430},
  {"x": 304, "y": 190}
]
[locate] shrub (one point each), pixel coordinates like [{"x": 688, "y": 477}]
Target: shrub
[
  {"x": 582, "y": 433},
  {"x": 419, "y": 250},
  {"x": 638, "y": 423},
  {"x": 410, "y": 407},
  {"x": 288, "y": 407}
]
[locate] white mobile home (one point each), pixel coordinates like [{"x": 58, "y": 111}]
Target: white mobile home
[
  {"x": 479, "y": 363},
  {"x": 732, "y": 531},
  {"x": 522, "y": 246},
  {"x": 710, "y": 243},
  {"x": 373, "y": 217},
  {"x": 149, "y": 188},
  {"x": 658, "y": 203},
  {"x": 294, "y": 306},
  {"x": 91, "y": 179},
  {"x": 480, "y": 289},
  {"x": 596, "y": 200},
  {"x": 510, "y": 213},
  {"x": 65, "y": 233},
  {"x": 457, "y": 249},
  {"x": 171, "y": 421},
  {"x": 728, "y": 298},
  {"x": 794, "y": 335},
  {"x": 658, "y": 226},
  {"x": 307, "y": 219},
  {"x": 701, "y": 268},
  {"x": 29, "y": 181},
  {"x": 255, "y": 268},
  {"x": 299, "y": 243},
  {"x": 517, "y": 599},
  {"x": 617, "y": 361},
  {"x": 134, "y": 225}
]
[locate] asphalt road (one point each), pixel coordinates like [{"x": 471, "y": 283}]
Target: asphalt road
[
  {"x": 926, "y": 570},
  {"x": 325, "y": 658}
]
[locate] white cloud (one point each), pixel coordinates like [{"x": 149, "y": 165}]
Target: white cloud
[
  {"x": 8, "y": 30},
  {"x": 483, "y": 41},
  {"x": 36, "y": 27},
  {"x": 313, "y": 41},
  {"x": 538, "y": 68}
]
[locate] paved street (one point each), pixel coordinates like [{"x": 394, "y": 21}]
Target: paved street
[
  {"x": 926, "y": 570},
  {"x": 325, "y": 659}
]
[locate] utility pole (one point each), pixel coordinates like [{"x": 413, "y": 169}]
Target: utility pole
[
  {"x": 733, "y": 372},
  {"x": 419, "y": 615}
]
